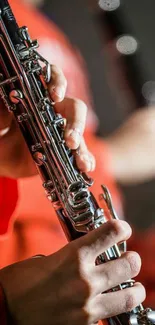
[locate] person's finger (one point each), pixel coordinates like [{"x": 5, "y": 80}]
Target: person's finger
[
  {"x": 99, "y": 240},
  {"x": 58, "y": 84},
  {"x": 84, "y": 159},
  {"x": 126, "y": 267},
  {"x": 75, "y": 112},
  {"x": 115, "y": 303}
]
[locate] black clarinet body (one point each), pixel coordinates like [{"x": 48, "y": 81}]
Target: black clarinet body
[{"x": 23, "y": 90}]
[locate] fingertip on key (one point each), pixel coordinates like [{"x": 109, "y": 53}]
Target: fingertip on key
[
  {"x": 58, "y": 94},
  {"x": 73, "y": 138}
]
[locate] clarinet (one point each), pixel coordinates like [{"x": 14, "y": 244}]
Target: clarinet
[{"x": 24, "y": 75}]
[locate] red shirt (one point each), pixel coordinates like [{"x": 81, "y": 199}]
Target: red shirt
[{"x": 8, "y": 200}]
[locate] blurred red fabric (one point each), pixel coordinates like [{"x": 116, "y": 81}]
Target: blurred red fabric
[{"x": 8, "y": 200}]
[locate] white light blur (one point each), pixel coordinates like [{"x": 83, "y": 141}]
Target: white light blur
[
  {"x": 109, "y": 5},
  {"x": 126, "y": 44}
]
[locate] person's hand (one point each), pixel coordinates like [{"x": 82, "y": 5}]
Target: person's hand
[
  {"x": 66, "y": 287},
  {"x": 15, "y": 159},
  {"x": 132, "y": 148}
]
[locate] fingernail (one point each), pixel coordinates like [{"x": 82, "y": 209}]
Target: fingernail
[
  {"x": 126, "y": 227},
  {"x": 76, "y": 136},
  {"x": 59, "y": 92},
  {"x": 87, "y": 161}
]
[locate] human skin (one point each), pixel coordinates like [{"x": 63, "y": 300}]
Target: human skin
[
  {"x": 66, "y": 287},
  {"x": 15, "y": 159}
]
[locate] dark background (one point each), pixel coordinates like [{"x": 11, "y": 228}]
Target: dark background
[{"x": 92, "y": 30}]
